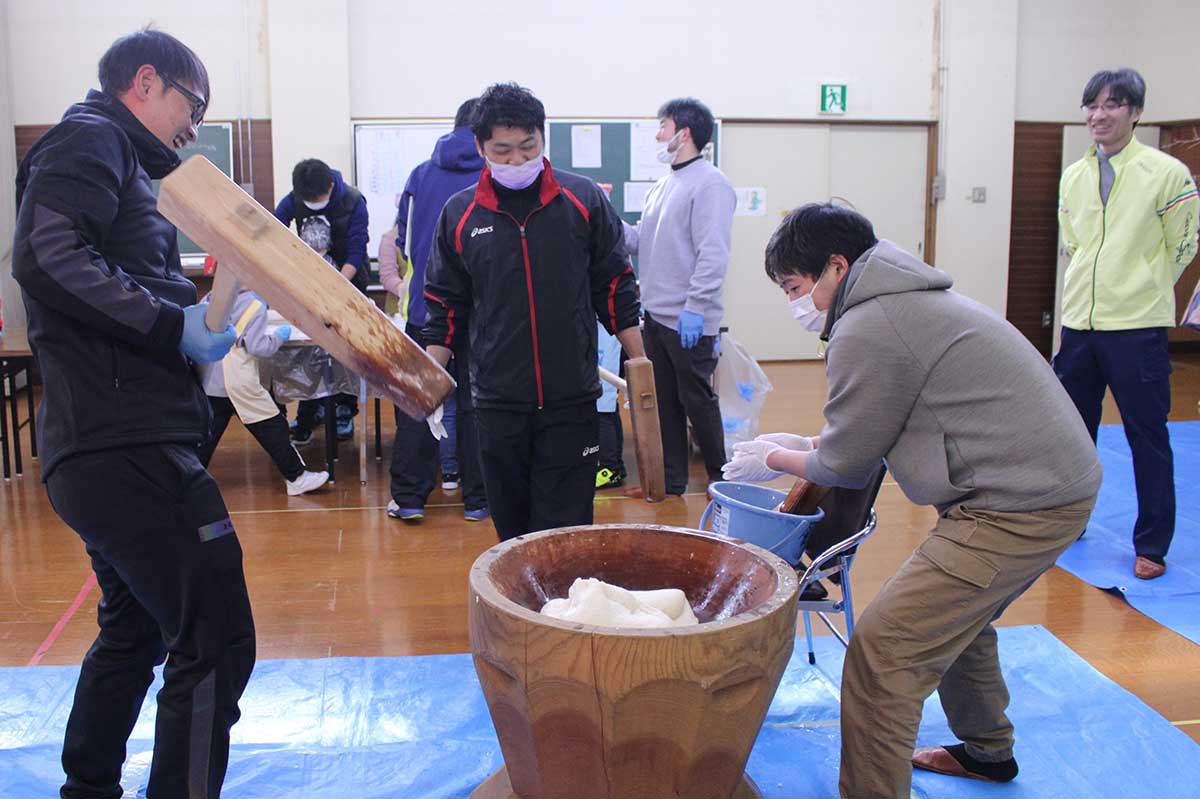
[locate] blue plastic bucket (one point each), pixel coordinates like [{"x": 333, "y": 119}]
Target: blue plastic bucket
[{"x": 746, "y": 511}]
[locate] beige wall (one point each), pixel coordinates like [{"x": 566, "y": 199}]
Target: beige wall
[
  {"x": 979, "y": 71},
  {"x": 55, "y": 47},
  {"x": 623, "y": 58},
  {"x": 1065, "y": 42},
  {"x": 310, "y": 108}
]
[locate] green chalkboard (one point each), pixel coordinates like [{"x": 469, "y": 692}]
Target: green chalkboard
[
  {"x": 616, "y": 155},
  {"x": 215, "y": 142}
]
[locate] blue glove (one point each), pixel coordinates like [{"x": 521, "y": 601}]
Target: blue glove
[
  {"x": 198, "y": 342},
  {"x": 284, "y": 332},
  {"x": 691, "y": 328}
]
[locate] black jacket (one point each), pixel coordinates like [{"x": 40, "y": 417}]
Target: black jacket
[
  {"x": 100, "y": 275},
  {"x": 528, "y": 292}
]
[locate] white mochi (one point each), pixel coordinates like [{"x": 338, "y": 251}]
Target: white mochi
[{"x": 591, "y": 601}]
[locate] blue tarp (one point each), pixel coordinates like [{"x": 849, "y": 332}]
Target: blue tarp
[
  {"x": 418, "y": 728},
  {"x": 1104, "y": 556}
]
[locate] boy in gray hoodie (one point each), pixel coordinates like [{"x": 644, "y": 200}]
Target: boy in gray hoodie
[{"x": 969, "y": 418}]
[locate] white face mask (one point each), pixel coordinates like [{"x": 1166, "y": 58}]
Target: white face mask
[
  {"x": 314, "y": 206},
  {"x": 664, "y": 153},
  {"x": 806, "y": 313},
  {"x": 517, "y": 177},
  {"x": 804, "y": 310}
]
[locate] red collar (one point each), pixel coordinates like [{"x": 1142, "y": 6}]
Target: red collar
[{"x": 485, "y": 192}]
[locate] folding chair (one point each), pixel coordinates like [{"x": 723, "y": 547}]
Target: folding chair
[
  {"x": 834, "y": 561},
  {"x": 831, "y": 554}
]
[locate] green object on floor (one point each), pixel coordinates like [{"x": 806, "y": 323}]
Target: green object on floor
[{"x": 607, "y": 478}]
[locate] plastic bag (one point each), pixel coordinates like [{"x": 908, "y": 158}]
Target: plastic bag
[
  {"x": 742, "y": 388},
  {"x": 306, "y": 372}
]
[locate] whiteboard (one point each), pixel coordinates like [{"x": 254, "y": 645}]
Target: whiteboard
[{"x": 385, "y": 153}]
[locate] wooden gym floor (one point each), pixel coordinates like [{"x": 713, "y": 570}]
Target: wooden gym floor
[{"x": 331, "y": 575}]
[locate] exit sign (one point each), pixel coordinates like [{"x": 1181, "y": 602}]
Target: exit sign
[{"x": 833, "y": 98}]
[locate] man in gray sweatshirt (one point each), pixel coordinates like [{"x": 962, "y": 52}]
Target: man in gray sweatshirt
[
  {"x": 682, "y": 244},
  {"x": 970, "y": 419}
]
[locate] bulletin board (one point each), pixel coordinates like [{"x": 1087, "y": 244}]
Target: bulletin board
[
  {"x": 619, "y": 153},
  {"x": 386, "y": 151}
]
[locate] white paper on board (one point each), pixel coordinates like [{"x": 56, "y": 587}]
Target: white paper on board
[
  {"x": 643, "y": 150},
  {"x": 585, "y": 147},
  {"x": 751, "y": 201},
  {"x": 635, "y": 196}
]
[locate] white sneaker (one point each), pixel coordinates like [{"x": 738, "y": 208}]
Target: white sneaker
[{"x": 309, "y": 481}]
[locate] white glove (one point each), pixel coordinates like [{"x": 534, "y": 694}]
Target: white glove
[
  {"x": 749, "y": 462},
  {"x": 788, "y": 441},
  {"x": 434, "y": 420}
]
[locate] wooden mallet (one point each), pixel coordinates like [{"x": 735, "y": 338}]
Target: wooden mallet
[
  {"x": 638, "y": 386},
  {"x": 804, "y": 498},
  {"x": 256, "y": 252}
]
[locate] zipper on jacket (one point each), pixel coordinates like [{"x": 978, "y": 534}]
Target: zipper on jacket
[
  {"x": 116, "y": 367},
  {"x": 1096, "y": 264},
  {"x": 537, "y": 358},
  {"x": 1103, "y": 235}
]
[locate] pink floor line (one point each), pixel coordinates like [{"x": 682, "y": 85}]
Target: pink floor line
[{"x": 88, "y": 585}]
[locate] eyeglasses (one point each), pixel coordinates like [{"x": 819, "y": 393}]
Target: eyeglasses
[
  {"x": 1109, "y": 106},
  {"x": 199, "y": 104}
]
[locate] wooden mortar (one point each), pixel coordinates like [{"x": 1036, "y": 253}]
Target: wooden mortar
[{"x": 587, "y": 712}]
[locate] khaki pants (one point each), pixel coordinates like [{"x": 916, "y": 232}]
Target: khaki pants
[
  {"x": 250, "y": 398},
  {"x": 930, "y": 629}
]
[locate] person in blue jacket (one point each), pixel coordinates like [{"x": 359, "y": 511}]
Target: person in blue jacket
[
  {"x": 455, "y": 166},
  {"x": 611, "y": 473},
  {"x": 116, "y": 331},
  {"x": 320, "y": 196}
]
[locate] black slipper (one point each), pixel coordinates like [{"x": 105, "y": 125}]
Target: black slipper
[{"x": 954, "y": 761}]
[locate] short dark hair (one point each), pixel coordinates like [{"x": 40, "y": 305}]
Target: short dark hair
[
  {"x": 809, "y": 235},
  {"x": 507, "y": 105},
  {"x": 690, "y": 113},
  {"x": 1124, "y": 85},
  {"x": 169, "y": 57},
  {"x": 311, "y": 178},
  {"x": 462, "y": 117}
]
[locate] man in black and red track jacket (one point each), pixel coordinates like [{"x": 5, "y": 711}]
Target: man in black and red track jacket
[{"x": 522, "y": 265}]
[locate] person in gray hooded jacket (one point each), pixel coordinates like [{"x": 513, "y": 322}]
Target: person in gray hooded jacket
[{"x": 969, "y": 418}]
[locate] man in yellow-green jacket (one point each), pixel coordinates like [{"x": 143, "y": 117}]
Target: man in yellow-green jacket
[{"x": 1128, "y": 215}]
